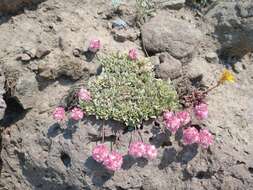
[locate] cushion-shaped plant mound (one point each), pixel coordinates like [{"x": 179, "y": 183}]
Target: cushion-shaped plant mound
[{"x": 127, "y": 91}]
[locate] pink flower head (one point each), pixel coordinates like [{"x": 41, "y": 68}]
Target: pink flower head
[
  {"x": 113, "y": 161},
  {"x": 167, "y": 115},
  {"x": 100, "y": 152},
  {"x": 95, "y": 45},
  {"x": 190, "y": 135},
  {"x": 205, "y": 138},
  {"x": 151, "y": 152},
  {"x": 59, "y": 114},
  {"x": 173, "y": 124},
  {"x": 201, "y": 111},
  {"x": 132, "y": 54},
  {"x": 184, "y": 117},
  {"x": 77, "y": 114},
  {"x": 84, "y": 94},
  {"x": 137, "y": 149}
]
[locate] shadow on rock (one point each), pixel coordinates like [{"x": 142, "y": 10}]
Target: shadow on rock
[
  {"x": 89, "y": 55},
  {"x": 160, "y": 138},
  {"x": 56, "y": 129},
  {"x": 97, "y": 172},
  {"x": 187, "y": 154},
  {"x": 171, "y": 155},
  {"x": 129, "y": 161}
]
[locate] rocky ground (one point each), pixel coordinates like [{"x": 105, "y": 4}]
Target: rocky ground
[{"x": 42, "y": 58}]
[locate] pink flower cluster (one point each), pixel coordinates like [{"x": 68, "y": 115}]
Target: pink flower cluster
[
  {"x": 95, "y": 45},
  {"x": 59, "y": 114},
  {"x": 111, "y": 160},
  {"x": 191, "y": 136},
  {"x": 132, "y": 54},
  {"x": 84, "y": 95},
  {"x": 174, "y": 120},
  {"x": 205, "y": 138},
  {"x": 201, "y": 111},
  {"x": 139, "y": 149},
  {"x": 77, "y": 114}
]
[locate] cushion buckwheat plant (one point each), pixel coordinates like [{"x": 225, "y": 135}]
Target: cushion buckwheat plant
[{"x": 128, "y": 92}]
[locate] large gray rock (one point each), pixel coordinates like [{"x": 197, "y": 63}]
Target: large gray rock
[
  {"x": 233, "y": 24},
  {"x": 175, "y": 36},
  {"x": 12, "y": 6}
]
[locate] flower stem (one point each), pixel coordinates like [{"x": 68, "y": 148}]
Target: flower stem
[
  {"x": 103, "y": 133},
  {"x": 139, "y": 133},
  {"x": 211, "y": 88},
  {"x": 79, "y": 123}
]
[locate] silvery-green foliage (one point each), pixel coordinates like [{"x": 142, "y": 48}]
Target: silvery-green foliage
[
  {"x": 144, "y": 9},
  {"x": 116, "y": 3},
  {"x": 127, "y": 91}
]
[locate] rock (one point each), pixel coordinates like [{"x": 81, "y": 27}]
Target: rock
[
  {"x": 68, "y": 66},
  {"x": 200, "y": 72},
  {"x": 26, "y": 89},
  {"x": 172, "y": 4},
  {"x": 13, "y": 6},
  {"x": 168, "y": 68},
  {"x": 212, "y": 57},
  {"x": 24, "y": 57},
  {"x": 119, "y": 23},
  {"x": 21, "y": 85},
  {"x": 76, "y": 52},
  {"x": 233, "y": 26},
  {"x": 127, "y": 12},
  {"x": 175, "y": 36},
  {"x": 41, "y": 52},
  {"x": 123, "y": 35}
]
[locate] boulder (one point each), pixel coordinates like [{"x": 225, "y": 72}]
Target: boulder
[
  {"x": 175, "y": 36},
  {"x": 168, "y": 67},
  {"x": 233, "y": 26}
]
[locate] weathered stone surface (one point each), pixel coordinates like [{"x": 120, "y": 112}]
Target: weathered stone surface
[
  {"x": 121, "y": 35},
  {"x": 197, "y": 74},
  {"x": 24, "y": 57},
  {"x": 175, "y": 36},
  {"x": 172, "y": 4},
  {"x": 38, "y": 155},
  {"x": 2, "y": 91},
  {"x": 26, "y": 89},
  {"x": 71, "y": 67},
  {"x": 41, "y": 52},
  {"x": 212, "y": 57},
  {"x": 168, "y": 67},
  {"x": 233, "y": 23},
  {"x": 12, "y": 6}
]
